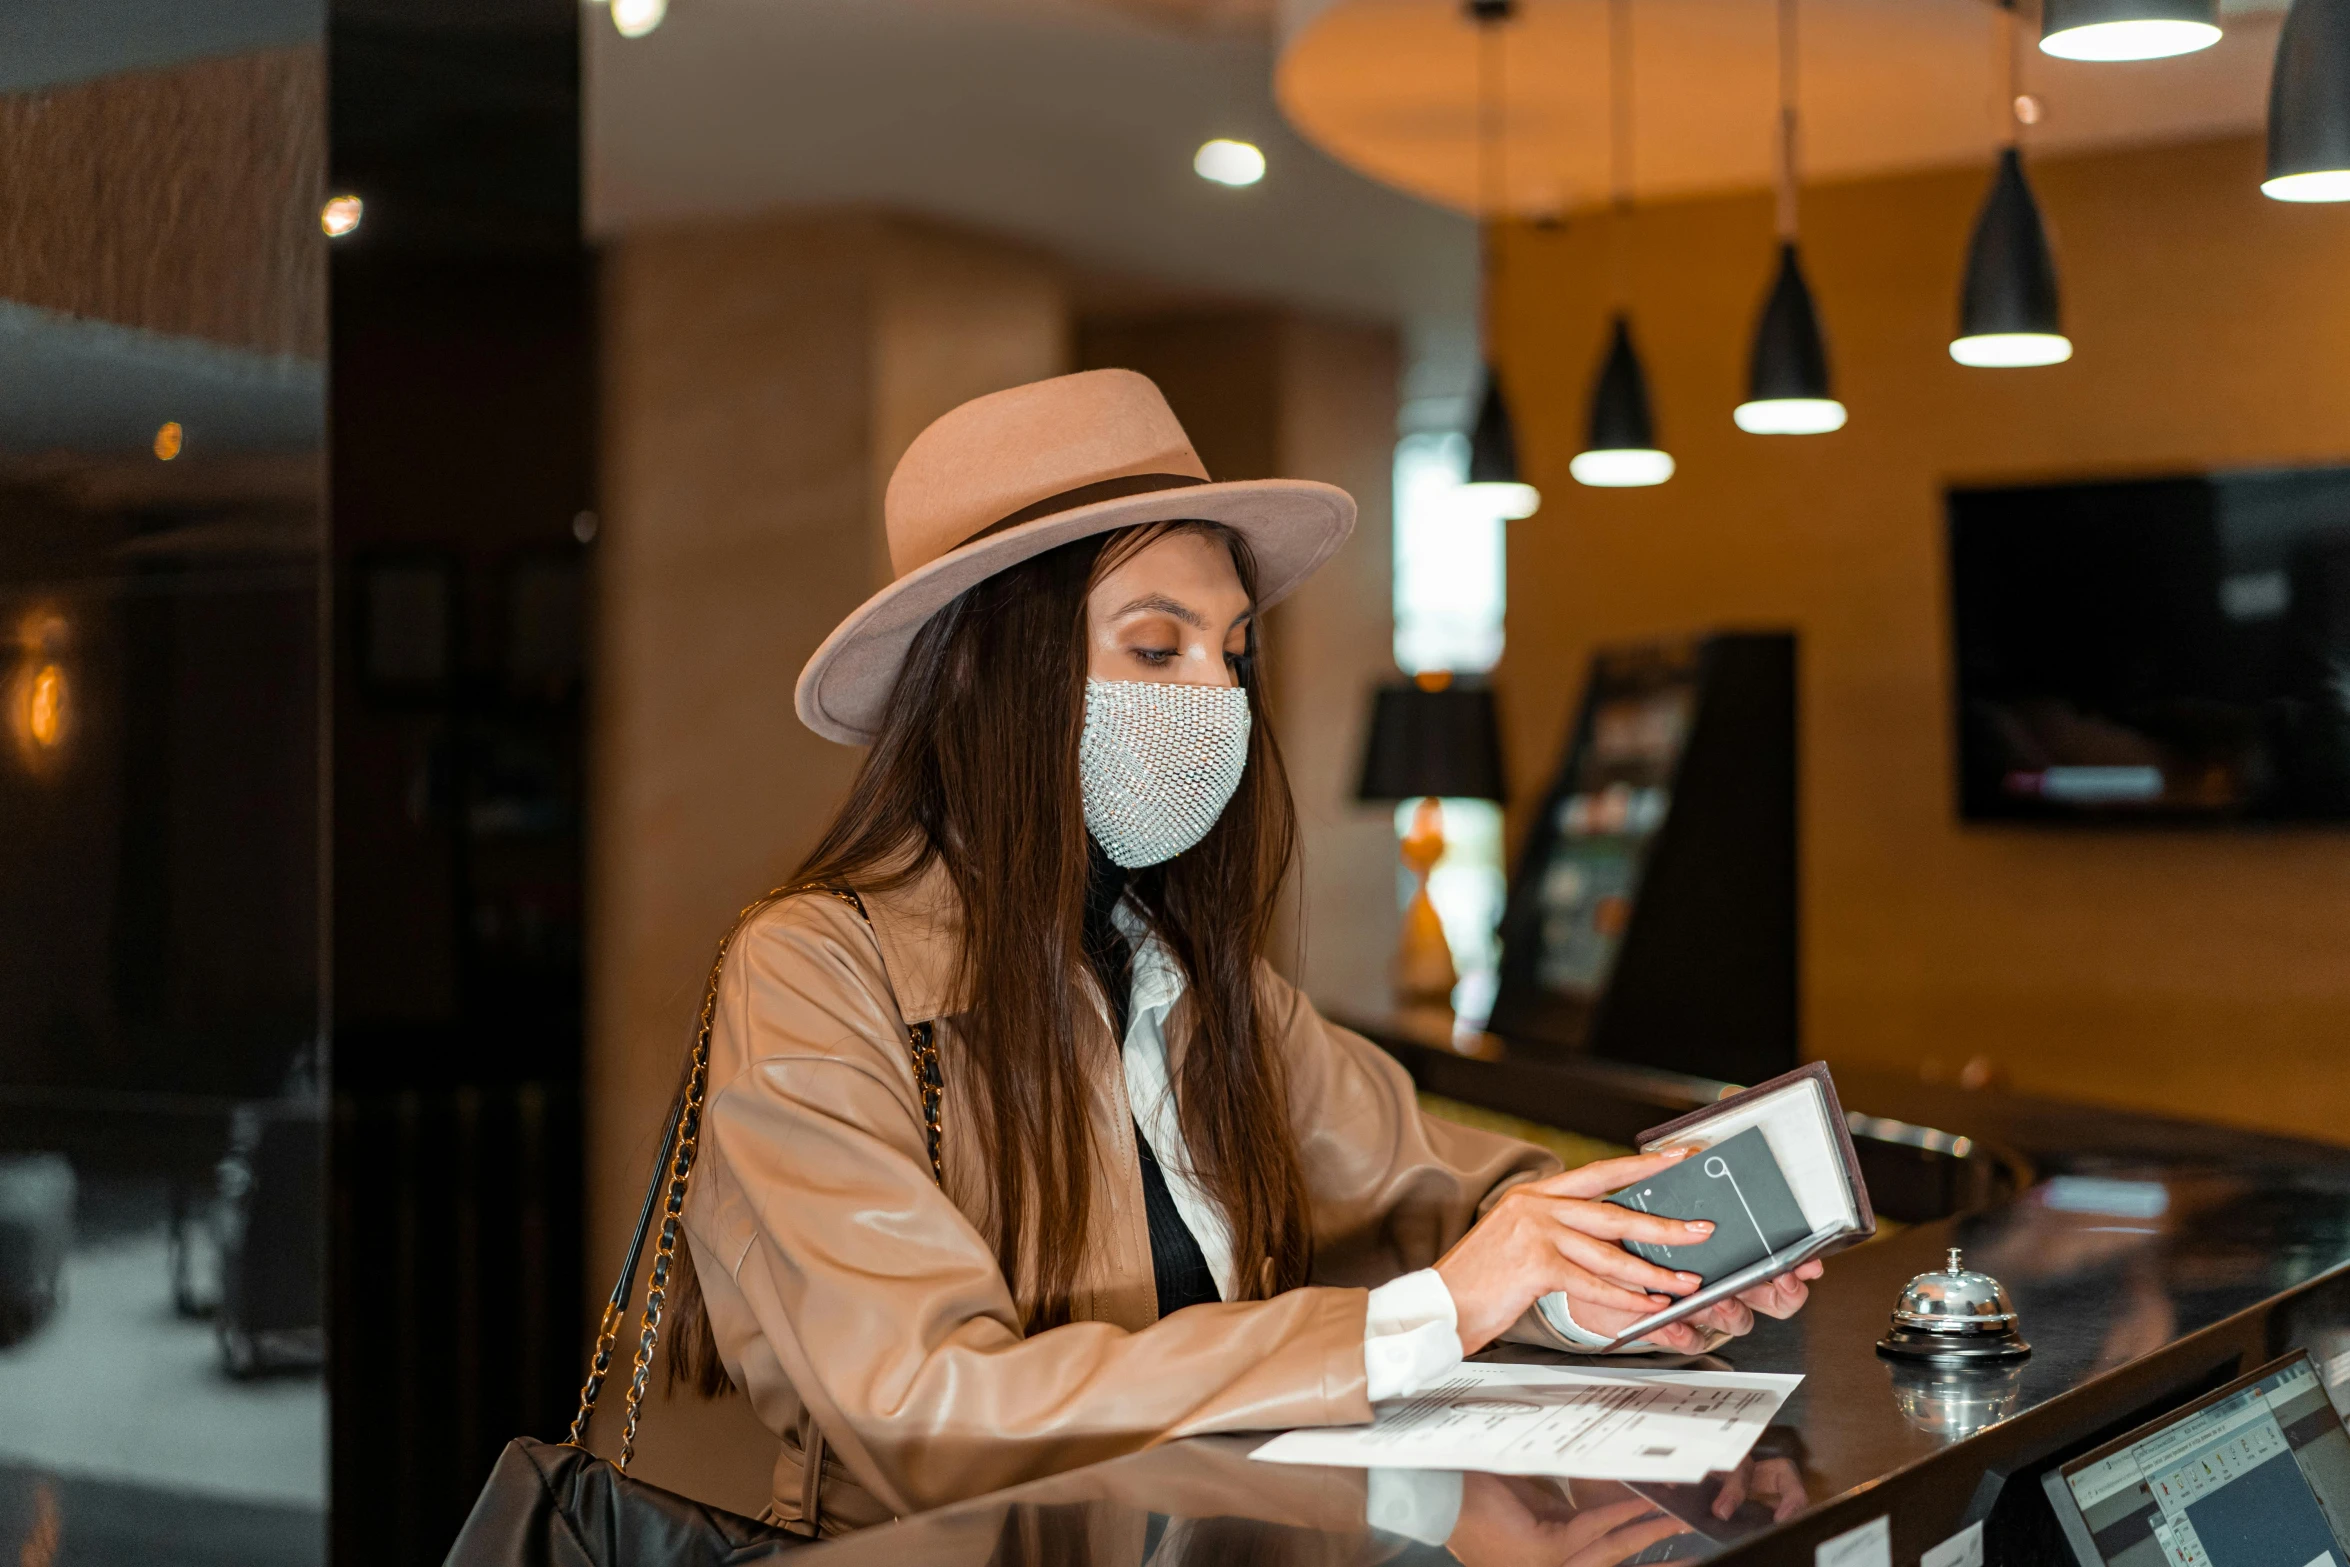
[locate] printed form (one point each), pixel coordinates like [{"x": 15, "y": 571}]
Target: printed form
[{"x": 1669, "y": 1426}]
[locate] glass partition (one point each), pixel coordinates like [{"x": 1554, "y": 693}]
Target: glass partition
[{"x": 162, "y": 392}]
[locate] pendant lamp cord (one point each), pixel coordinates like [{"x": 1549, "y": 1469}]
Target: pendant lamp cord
[
  {"x": 2011, "y": 52},
  {"x": 1490, "y": 19},
  {"x": 1787, "y": 93},
  {"x": 1619, "y": 142}
]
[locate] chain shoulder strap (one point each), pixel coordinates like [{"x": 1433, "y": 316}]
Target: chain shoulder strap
[{"x": 679, "y": 1145}]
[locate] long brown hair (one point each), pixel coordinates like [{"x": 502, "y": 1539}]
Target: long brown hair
[{"x": 975, "y": 768}]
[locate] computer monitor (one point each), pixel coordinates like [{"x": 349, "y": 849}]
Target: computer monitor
[{"x": 2256, "y": 1474}]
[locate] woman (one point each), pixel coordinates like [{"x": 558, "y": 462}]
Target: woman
[{"x": 1159, "y": 1195}]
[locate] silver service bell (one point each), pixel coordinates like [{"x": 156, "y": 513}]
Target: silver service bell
[{"x": 1954, "y": 1316}]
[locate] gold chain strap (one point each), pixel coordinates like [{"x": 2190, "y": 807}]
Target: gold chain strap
[
  {"x": 922, "y": 1041},
  {"x": 683, "y": 1141}
]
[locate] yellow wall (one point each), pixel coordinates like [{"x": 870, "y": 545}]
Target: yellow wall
[{"x": 2207, "y": 974}]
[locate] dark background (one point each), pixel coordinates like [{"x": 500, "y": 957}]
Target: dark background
[{"x": 462, "y": 426}]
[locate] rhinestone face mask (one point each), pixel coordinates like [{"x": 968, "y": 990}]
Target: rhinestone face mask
[{"x": 1157, "y": 764}]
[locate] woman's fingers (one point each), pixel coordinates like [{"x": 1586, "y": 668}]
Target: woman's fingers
[
  {"x": 1587, "y": 1288},
  {"x": 1781, "y": 1297},
  {"x": 1733, "y": 1491},
  {"x": 1780, "y": 1482},
  {"x": 1596, "y": 1523},
  {"x": 1729, "y": 1316},
  {"x": 1602, "y": 1176},
  {"x": 1623, "y": 1544},
  {"x": 1678, "y": 1336},
  {"x": 1609, "y": 1222},
  {"x": 1613, "y": 1263}
]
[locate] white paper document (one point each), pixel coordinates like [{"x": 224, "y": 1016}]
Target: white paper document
[{"x": 1675, "y": 1426}]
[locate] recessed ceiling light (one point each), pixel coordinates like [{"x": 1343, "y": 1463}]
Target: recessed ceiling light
[
  {"x": 340, "y": 215},
  {"x": 1233, "y": 163},
  {"x": 635, "y": 18}
]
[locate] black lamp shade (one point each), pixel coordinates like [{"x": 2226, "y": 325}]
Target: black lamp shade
[
  {"x": 1493, "y": 444},
  {"x": 1445, "y": 743},
  {"x": 1790, "y": 358},
  {"x": 2010, "y": 278},
  {"x": 1619, "y": 402},
  {"x": 2309, "y": 92}
]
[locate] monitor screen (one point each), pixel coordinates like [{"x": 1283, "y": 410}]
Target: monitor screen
[
  {"x": 2163, "y": 650},
  {"x": 2254, "y": 1475}
]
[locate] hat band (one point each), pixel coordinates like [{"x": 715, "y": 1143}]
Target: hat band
[{"x": 1086, "y": 495}]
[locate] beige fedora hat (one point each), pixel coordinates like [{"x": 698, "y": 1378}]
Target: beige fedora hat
[{"x": 1012, "y": 474}]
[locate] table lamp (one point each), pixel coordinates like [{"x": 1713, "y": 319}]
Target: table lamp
[{"x": 1431, "y": 739}]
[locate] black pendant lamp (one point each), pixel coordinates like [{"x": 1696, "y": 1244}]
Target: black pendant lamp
[
  {"x": 2309, "y": 105},
  {"x": 2127, "y": 29},
  {"x": 1493, "y": 482},
  {"x": 1621, "y": 452},
  {"x": 1493, "y": 458},
  {"x": 2008, "y": 315},
  {"x": 1787, "y": 390}
]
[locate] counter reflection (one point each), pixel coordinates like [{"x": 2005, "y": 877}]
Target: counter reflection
[{"x": 1208, "y": 1502}]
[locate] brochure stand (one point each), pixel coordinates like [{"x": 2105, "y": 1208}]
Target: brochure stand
[{"x": 1652, "y": 916}]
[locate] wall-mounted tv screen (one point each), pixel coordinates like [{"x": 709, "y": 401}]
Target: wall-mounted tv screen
[{"x": 2160, "y": 650}]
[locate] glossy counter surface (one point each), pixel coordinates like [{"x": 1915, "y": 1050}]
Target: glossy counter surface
[{"x": 2150, "y": 1260}]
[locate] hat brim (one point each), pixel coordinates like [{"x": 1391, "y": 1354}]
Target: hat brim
[{"x": 1292, "y": 526}]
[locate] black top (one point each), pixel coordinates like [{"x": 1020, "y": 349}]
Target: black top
[{"x": 1178, "y": 1266}]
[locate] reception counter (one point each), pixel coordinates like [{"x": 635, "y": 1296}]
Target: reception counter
[{"x": 2150, "y": 1259}]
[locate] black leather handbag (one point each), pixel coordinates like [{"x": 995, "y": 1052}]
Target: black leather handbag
[{"x": 555, "y": 1504}]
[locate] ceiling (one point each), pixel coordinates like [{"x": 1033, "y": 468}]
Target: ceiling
[
  {"x": 44, "y": 45},
  {"x": 1066, "y": 123},
  {"x": 1070, "y": 124},
  {"x": 1389, "y": 87},
  {"x": 71, "y": 383}
]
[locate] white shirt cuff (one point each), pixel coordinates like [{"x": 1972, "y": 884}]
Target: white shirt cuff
[
  {"x": 1555, "y": 1312},
  {"x": 1419, "y": 1504},
  {"x": 1411, "y": 1336}
]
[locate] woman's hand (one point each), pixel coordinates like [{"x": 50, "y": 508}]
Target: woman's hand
[
  {"x": 1508, "y": 1521},
  {"x": 1774, "y": 1482},
  {"x": 1781, "y": 1297},
  {"x": 1555, "y": 1235}
]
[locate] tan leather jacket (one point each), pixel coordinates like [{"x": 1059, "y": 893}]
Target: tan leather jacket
[{"x": 844, "y": 1283}]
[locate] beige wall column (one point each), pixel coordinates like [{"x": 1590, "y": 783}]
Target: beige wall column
[
  {"x": 1334, "y": 641},
  {"x": 1268, "y": 393},
  {"x": 761, "y": 377}
]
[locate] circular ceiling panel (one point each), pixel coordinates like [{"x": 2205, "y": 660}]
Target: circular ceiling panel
[{"x": 1389, "y": 87}]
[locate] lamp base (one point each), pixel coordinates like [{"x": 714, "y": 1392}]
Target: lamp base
[{"x": 1424, "y": 975}]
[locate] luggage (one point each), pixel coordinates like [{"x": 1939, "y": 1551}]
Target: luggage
[
  {"x": 272, "y": 1235},
  {"x": 36, "y": 1230}
]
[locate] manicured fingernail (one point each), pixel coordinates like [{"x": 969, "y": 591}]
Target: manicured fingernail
[
  {"x": 1690, "y": 1279},
  {"x": 1698, "y": 1227}
]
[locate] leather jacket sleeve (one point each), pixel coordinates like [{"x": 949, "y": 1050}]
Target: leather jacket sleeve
[
  {"x": 1393, "y": 1188},
  {"x": 877, "y": 1301}
]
